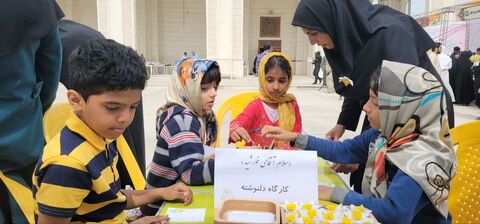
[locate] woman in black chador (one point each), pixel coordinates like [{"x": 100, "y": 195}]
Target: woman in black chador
[{"x": 464, "y": 94}]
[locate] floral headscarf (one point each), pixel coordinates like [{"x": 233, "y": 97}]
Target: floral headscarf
[
  {"x": 286, "y": 113},
  {"x": 185, "y": 90},
  {"x": 414, "y": 133}
]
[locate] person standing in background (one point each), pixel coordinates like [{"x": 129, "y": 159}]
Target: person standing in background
[
  {"x": 194, "y": 56},
  {"x": 464, "y": 94},
  {"x": 30, "y": 61},
  {"x": 456, "y": 50},
  {"x": 317, "y": 61},
  {"x": 445, "y": 64},
  {"x": 267, "y": 48},
  {"x": 184, "y": 56},
  {"x": 476, "y": 75},
  {"x": 451, "y": 72}
]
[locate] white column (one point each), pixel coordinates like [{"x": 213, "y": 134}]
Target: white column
[
  {"x": 116, "y": 20},
  {"x": 304, "y": 54},
  {"x": 225, "y": 35}
]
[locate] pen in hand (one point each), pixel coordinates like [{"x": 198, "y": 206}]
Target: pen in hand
[
  {"x": 272, "y": 145},
  {"x": 254, "y": 131}
]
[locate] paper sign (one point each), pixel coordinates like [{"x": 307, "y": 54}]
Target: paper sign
[
  {"x": 186, "y": 215},
  {"x": 276, "y": 175}
]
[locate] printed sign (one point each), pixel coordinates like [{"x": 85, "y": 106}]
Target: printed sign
[
  {"x": 277, "y": 175},
  {"x": 469, "y": 13}
]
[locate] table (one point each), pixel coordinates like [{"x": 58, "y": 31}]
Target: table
[{"x": 203, "y": 195}]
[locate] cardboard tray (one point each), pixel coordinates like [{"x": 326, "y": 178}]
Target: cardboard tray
[{"x": 246, "y": 205}]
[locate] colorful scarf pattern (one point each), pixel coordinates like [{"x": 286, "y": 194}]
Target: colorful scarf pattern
[
  {"x": 414, "y": 134},
  {"x": 184, "y": 89}
]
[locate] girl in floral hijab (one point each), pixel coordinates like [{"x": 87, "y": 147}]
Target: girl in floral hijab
[
  {"x": 275, "y": 106},
  {"x": 409, "y": 157},
  {"x": 186, "y": 128}
]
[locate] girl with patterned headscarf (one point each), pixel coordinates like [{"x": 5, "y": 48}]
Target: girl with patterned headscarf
[
  {"x": 274, "y": 107},
  {"x": 409, "y": 156},
  {"x": 186, "y": 128}
]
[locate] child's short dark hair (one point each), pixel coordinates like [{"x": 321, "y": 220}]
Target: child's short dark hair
[
  {"x": 212, "y": 74},
  {"x": 375, "y": 79},
  {"x": 280, "y": 62},
  {"x": 105, "y": 65}
]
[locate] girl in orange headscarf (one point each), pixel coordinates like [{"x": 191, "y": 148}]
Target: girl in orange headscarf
[{"x": 274, "y": 107}]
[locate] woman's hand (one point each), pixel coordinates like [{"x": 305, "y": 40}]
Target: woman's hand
[
  {"x": 240, "y": 134},
  {"x": 278, "y": 133},
  {"x": 335, "y": 133}
]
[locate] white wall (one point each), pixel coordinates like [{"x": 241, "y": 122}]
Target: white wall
[
  {"x": 225, "y": 35},
  {"x": 84, "y": 11},
  {"x": 293, "y": 45},
  {"x": 432, "y": 5},
  {"x": 141, "y": 27},
  {"x": 181, "y": 27}
]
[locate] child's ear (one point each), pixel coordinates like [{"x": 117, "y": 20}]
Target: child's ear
[{"x": 75, "y": 99}]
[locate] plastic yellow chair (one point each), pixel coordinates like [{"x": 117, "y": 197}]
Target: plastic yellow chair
[
  {"x": 464, "y": 198},
  {"x": 21, "y": 194},
  {"x": 235, "y": 105},
  {"x": 54, "y": 119},
  {"x": 53, "y": 122}
]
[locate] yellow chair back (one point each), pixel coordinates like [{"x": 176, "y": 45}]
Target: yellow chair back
[
  {"x": 235, "y": 104},
  {"x": 21, "y": 194},
  {"x": 464, "y": 192},
  {"x": 54, "y": 120}
]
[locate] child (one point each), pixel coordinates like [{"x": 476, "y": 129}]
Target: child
[
  {"x": 409, "y": 161},
  {"x": 186, "y": 127},
  {"x": 76, "y": 179},
  {"x": 275, "y": 106}
]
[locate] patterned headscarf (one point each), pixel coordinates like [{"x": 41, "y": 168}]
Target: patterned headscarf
[
  {"x": 286, "y": 114},
  {"x": 185, "y": 90},
  {"x": 414, "y": 133}
]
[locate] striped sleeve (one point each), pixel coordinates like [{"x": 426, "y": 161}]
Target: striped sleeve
[
  {"x": 186, "y": 150},
  {"x": 65, "y": 176}
]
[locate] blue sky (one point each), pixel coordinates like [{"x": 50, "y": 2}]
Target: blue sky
[{"x": 418, "y": 6}]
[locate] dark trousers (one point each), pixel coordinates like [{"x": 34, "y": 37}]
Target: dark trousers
[{"x": 315, "y": 74}]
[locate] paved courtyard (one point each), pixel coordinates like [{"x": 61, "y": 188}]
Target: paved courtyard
[{"x": 319, "y": 108}]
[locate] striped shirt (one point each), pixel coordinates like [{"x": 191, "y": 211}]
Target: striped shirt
[
  {"x": 179, "y": 153},
  {"x": 77, "y": 177}
]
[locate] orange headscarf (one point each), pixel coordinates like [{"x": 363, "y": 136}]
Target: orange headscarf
[{"x": 286, "y": 114}]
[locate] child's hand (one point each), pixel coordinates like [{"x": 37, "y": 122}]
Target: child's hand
[
  {"x": 239, "y": 134},
  {"x": 325, "y": 193},
  {"x": 178, "y": 191},
  {"x": 278, "y": 133},
  {"x": 344, "y": 168},
  {"x": 152, "y": 220}
]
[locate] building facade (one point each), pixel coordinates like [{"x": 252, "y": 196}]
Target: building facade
[{"x": 229, "y": 31}]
